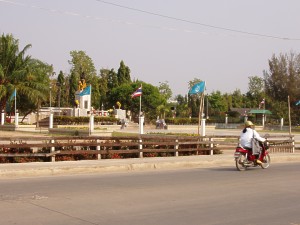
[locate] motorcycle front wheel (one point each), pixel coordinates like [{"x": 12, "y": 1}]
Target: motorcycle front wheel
[
  {"x": 239, "y": 163},
  {"x": 266, "y": 162}
]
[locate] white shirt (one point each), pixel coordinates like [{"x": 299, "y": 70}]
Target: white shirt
[{"x": 245, "y": 138}]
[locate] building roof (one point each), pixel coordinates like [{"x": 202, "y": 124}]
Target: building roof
[{"x": 260, "y": 111}]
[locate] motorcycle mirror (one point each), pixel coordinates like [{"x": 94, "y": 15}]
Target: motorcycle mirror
[{"x": 267, "y": 135}]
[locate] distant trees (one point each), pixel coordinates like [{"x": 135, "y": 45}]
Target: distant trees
[
  {"x": 283, "y": 80},
  {"x": 33, "y": 79}
]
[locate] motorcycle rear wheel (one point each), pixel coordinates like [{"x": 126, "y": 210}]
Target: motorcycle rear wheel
[
  {"x": 239, "y": 163},
  {"x": 266, "y": 162}
]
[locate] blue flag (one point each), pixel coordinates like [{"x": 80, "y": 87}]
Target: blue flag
[
  {"x": 86, "y": 91},
  {"x": 197, "y": 88},
  {"x": 13, "y": 95}
]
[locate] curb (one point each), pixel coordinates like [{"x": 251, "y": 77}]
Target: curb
[{"x": 37, "y": 169}]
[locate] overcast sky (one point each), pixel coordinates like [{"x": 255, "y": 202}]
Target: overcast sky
[{"x": 222, "y": 42}]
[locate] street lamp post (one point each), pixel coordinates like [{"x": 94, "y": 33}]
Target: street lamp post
[
  {"x": 59, "y": 98},
  {"x": 50, "y": 97},
  {"x": 59, "y": 94}
]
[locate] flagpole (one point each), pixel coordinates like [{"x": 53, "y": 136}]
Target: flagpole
[
  {"x": 290, "y": 127},
  {"x": 200, "y": 112},
  {"x": 90, "y": 98},
  {"x": 199, "y": 115},
  {"x": 15, "y": 102},
  {"x": 91, "y": 123},
  {"x": 140, "y": 105},
  {"x": 141, "y": 119}
]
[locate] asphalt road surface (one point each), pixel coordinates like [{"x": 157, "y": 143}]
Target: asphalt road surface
[{"x": 206, "y": 196}]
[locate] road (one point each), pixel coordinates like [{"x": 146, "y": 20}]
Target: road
[{"x": 210, "y": 196}]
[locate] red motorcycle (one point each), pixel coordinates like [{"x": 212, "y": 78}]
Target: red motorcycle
[{"x": 244, "y": 157}]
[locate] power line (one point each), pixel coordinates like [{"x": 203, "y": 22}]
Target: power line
[
  {"x": 198, "y": 23},
  {"x": 153, "y": 14}
]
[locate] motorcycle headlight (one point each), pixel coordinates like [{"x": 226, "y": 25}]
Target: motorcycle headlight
[{"x": 267, "y": 144}]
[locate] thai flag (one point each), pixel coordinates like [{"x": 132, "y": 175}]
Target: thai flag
[
  {"x": 137, "y": 93},
  {"x": 261, "y": 103}
]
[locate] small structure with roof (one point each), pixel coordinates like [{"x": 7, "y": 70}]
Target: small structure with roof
[{"x": 262, "y": 112}]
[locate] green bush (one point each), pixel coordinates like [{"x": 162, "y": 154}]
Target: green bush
[{"x": 71, "y": 120}]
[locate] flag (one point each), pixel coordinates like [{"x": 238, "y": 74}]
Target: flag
[
  {"x": 11, "y": 98},
  {"x": 86, "y": 91},
  {"x": 261, "y": 103},
  {"x": 197, "y": 88},
  {"x": 298, "y": 103},
  {"x": 13, "y": 95},
  {"x": 137, "y": 93}
]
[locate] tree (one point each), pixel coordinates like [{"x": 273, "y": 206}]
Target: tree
[
  {"x": 194, "y": 100},
  {"x": 237, "y": 99},
  {"x": 165, "y": 90},
  {"x": 103, "y": 87},
  {"x": 217, "y": 102},
  {"x": 61, "y": 86},
  {"x": 151, "y": 99},
  {"x": 123, "y": 74},
  {"x": 182, "y": 109},
  {"x": 283, "y": 78},
  {"x": 83, "y": 68},
  {"x": 73, "y": 87},
  {"x": 13, "y": 64},
  {"x": 112, "y": 80},
  {"x": 161, "y": 110},
  {"x": 33, "y": 91},
  {"x": 30, "y": 77},
  {"x": 82, "y": 63},
  {"x": 256, "y": 90}
]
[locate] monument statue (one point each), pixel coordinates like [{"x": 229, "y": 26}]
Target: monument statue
[{"x": 81, "y": 83}]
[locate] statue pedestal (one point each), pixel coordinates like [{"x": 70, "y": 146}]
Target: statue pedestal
[{"x": 84, "y": 103}]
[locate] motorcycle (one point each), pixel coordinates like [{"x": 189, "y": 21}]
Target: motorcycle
[{"x": 244, "y": 157}]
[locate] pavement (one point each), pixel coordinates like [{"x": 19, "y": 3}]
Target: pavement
[{"x": 36, "y": 169}]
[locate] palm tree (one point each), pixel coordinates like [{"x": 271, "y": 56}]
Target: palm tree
[
  {"x": 12, "y": 63},
  {"x": 162, "y": 110},
  {"x": 34, "y": 86},
  {"x": 30, "y": 77}
]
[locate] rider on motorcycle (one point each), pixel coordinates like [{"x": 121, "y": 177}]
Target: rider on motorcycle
[{"x": 247, "y": 134}]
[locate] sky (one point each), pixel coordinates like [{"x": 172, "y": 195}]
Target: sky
[{"x": 222, "y": 42}]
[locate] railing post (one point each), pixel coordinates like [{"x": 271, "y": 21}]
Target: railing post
[
  {"x": 51, "y": 120},
  {"x": 293, "y": 144},
  {"x": 98, "y": 148},
  {"x": 2, "y": 118},
  {"x": 91, "y": 124},
  {"x": 51, "y": 151},
  {"x": 211, "y": 145},
  {"x": 16, "y": 119},
  {"x": 176, "y": 148},
  {"x": 141, "y": 155}
]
